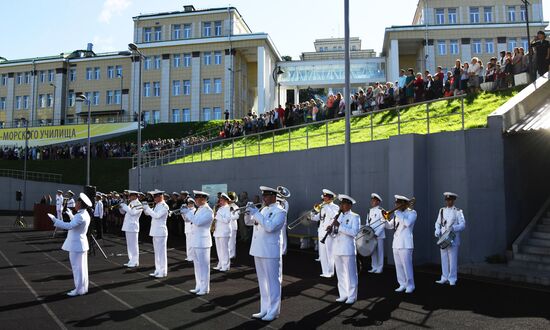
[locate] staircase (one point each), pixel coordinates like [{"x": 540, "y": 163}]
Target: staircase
[{"x": 531, "y": 250}]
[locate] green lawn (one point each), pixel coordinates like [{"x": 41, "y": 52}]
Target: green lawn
[
  {"x": 444, "y": 116},
  {"x": 105, "y": 174}
]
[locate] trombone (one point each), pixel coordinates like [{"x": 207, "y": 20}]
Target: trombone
[
  {"x": 387, "y": 214},
  {"x": 242, "y": 208},
  {"x": 316, "y": 209}
]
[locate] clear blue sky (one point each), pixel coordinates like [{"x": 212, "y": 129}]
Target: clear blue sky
[{"x": 33, "y": 28}]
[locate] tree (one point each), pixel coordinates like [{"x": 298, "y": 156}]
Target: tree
[{"x": 286, "y": 58}]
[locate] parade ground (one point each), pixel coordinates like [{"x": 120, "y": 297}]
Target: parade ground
[{"x": 35, "y": 276}]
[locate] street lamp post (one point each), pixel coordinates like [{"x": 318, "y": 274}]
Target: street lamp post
[
  {"x": 26, "y": 123},
  {"x": 277, "y": 71},
  {"x": 121, "y": 84},
  {"x": 529, "y": 49},
  {"x": 347, "y": 145},
  {"x": 84, "y": 99},
  {"x": 53, "y": 103},
  {"x": 134, "y": 50}
]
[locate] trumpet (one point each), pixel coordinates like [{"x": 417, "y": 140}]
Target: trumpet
[
  {"x": 242, "y": 208},
  {"x": 316, "y": 209},
  {"x": 387, "y": 214}
]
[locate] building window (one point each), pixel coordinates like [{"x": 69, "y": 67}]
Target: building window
[
  {"x": 176, "y": 31},
  {"x": 147, "y": 63},
  {"x": 157, "y": 62},
  {"x": 147, "y": 116},
  {"x": 177, "y": 60},
  {"x": 27, "y": 77},
  {"x": 454, "y": 47},
  {"x": 71, "y": 99},
  {"x": 97, "y": 73},
  {"x": 42, "y": 76},
  {"x": 474, "y": 14},
  {"x": 476, "y": 46},
  {"x": 95, "y": 98},
  {"x": 217, "y": 86},
  {"x": 2, "y": 103},
  {"x": 110, "y": 97},
  {"x": 522, "y": 14},
  {"x": 26, "y": 102},
  {"x": 89, "y": 73},
  {"x": 110, "y": 72},
  {"x": 511, "y": 13},
  {"x": 187, "y": 31},
  {"x": 119, "y": 70},
  {"x": 118, "y": 97},
  {"x": 512, "y": 44},
  {"x": 206, "y": 114},
  {"x": 176, "y": 87},
  {"x": 175, "y": 115},
  {"x": 442, "y": 47},
  {"x": 156, "y": 88},
  {"x": 147, "y": 34},
  {"x": 158, "y": 33},
  {"x": 218, "y": 28},
  {"x": 186, "y": 60},
  {"x": 207, "y": 58},
  {"x": 439, "y": 16},
  {"x": 4, "y": 80},
  {"x": 19, "y": 78},
  {"x": 186, "y": 87},
  {"x": 489, "y": 46},
  {"x": 51, "y": 74},
  {"x": 217, "y": 113},
  {"x": 49, "y": 98},
  {"x": 452, "y": 15},
  {"x": 19, "y": 102},
  {"x": 524, "y": 43},
  {"x": 156, "y": 116},
  {"x": 206, "y": 29},
  {"x": 206, "y": 86},
  {"x": 72, "y": 74},
  {"x": 186, "y": 115},
  {"x": 488, "y": 14},
  {"x": 147, "y": 89},
  {"x": 218, "y": 57}
]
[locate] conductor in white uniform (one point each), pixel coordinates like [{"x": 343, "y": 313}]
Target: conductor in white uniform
[
  {"x": 449, "y": 219},
  {"x": 325, "y": 216},
  {"x": 159, "y": 232},
  {"x": 375, "y": 221},
  {"x": 403, "y": 245},
  {"x": 201, "y": 241},
  {"x": 266, "y": 248},
  {"x": 132, "y": 211},
  {"x": 347, "y": 225},
  {"x": 76, "y": 243}
]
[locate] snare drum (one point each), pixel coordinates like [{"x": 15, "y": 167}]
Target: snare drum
[
  {"x": 446, "y": 239},
  {"x": 366, "y": 241}
]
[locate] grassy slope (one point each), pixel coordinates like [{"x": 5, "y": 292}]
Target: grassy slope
[{"x": 413, "y": 120}]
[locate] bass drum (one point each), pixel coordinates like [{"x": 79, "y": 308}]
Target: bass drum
[{"x": 365, "y": 241}]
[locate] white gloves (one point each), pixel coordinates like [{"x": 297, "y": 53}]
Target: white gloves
[
  {"x": 52, "y": 217},
  {"x": 251, "y": 208}
]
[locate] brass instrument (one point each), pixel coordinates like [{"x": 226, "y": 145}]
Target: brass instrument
[
  {"x": 387, "y": 214},
  {"x": 283, "y": 192},
  {"x": 316, "y": 209},
  {"x": 242, "y": 208}
]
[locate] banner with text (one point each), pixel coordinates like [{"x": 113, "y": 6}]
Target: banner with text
[{"x": 46, "y": 135}]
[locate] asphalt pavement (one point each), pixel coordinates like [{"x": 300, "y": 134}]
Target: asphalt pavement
[{"x": 35, "y": 275}]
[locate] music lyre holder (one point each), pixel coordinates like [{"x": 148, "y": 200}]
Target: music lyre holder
[{"x": 95, "y": 243}]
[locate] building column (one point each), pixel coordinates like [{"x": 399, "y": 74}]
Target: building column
[
  {"x": 296, "y": 95},
  {"x": 196, "y": 86},
  {"x": 125, "y": 99},
  {"x": 60, "y": 99},
  {"x": 261, "y": 81},
  {"x": 229, "y": 83},
  {"x": 430, "y": 60},
  {"x": 10, "y": 99},
  {"x": 135, "y": 86},
  {"x": 465, "y": 50},
  {"x": 501, "y": 44},
  {"x": 392, "y": 68},
  {"x": 33, "y": 97},
  {"x": 165, "y": 89}
]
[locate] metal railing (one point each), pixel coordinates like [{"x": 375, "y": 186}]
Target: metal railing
[
  {"x": 370, "y": 126},
  {"x": 31, "y": 176},
  {"x": 69, "y": 121}
]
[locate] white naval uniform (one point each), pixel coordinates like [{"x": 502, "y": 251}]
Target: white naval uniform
[
  {"x": 159, "y": 232},
  {"x": 234, "y": 227},
  {"x": 344, "y": 251},
  {"x": 375, "y": 221},
  {"x": 76, "y": 244},
  {"x": 59, "y": 206},
  {"x": 188, "y": 232},
  {"x": 130, "y": 227},
  {"x": 284, "y": 205},
  {"x": 403, "y": 246},
  {"x": 98, "y": 209},
  {"x": 222, "y": 232},
  {"x": 71, "y": 203},
  {"x": 201, "y": 242},
  {"x": 266, "y": 248},
  {"x": 453, "y": 219},
  {"x": 325, "y": 217}
]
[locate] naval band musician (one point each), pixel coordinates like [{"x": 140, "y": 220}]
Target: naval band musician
[
  {"x": 326, "y": 214},
  {"x": 159, "y": 232},
  {"x": 130, "y": 226}
]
